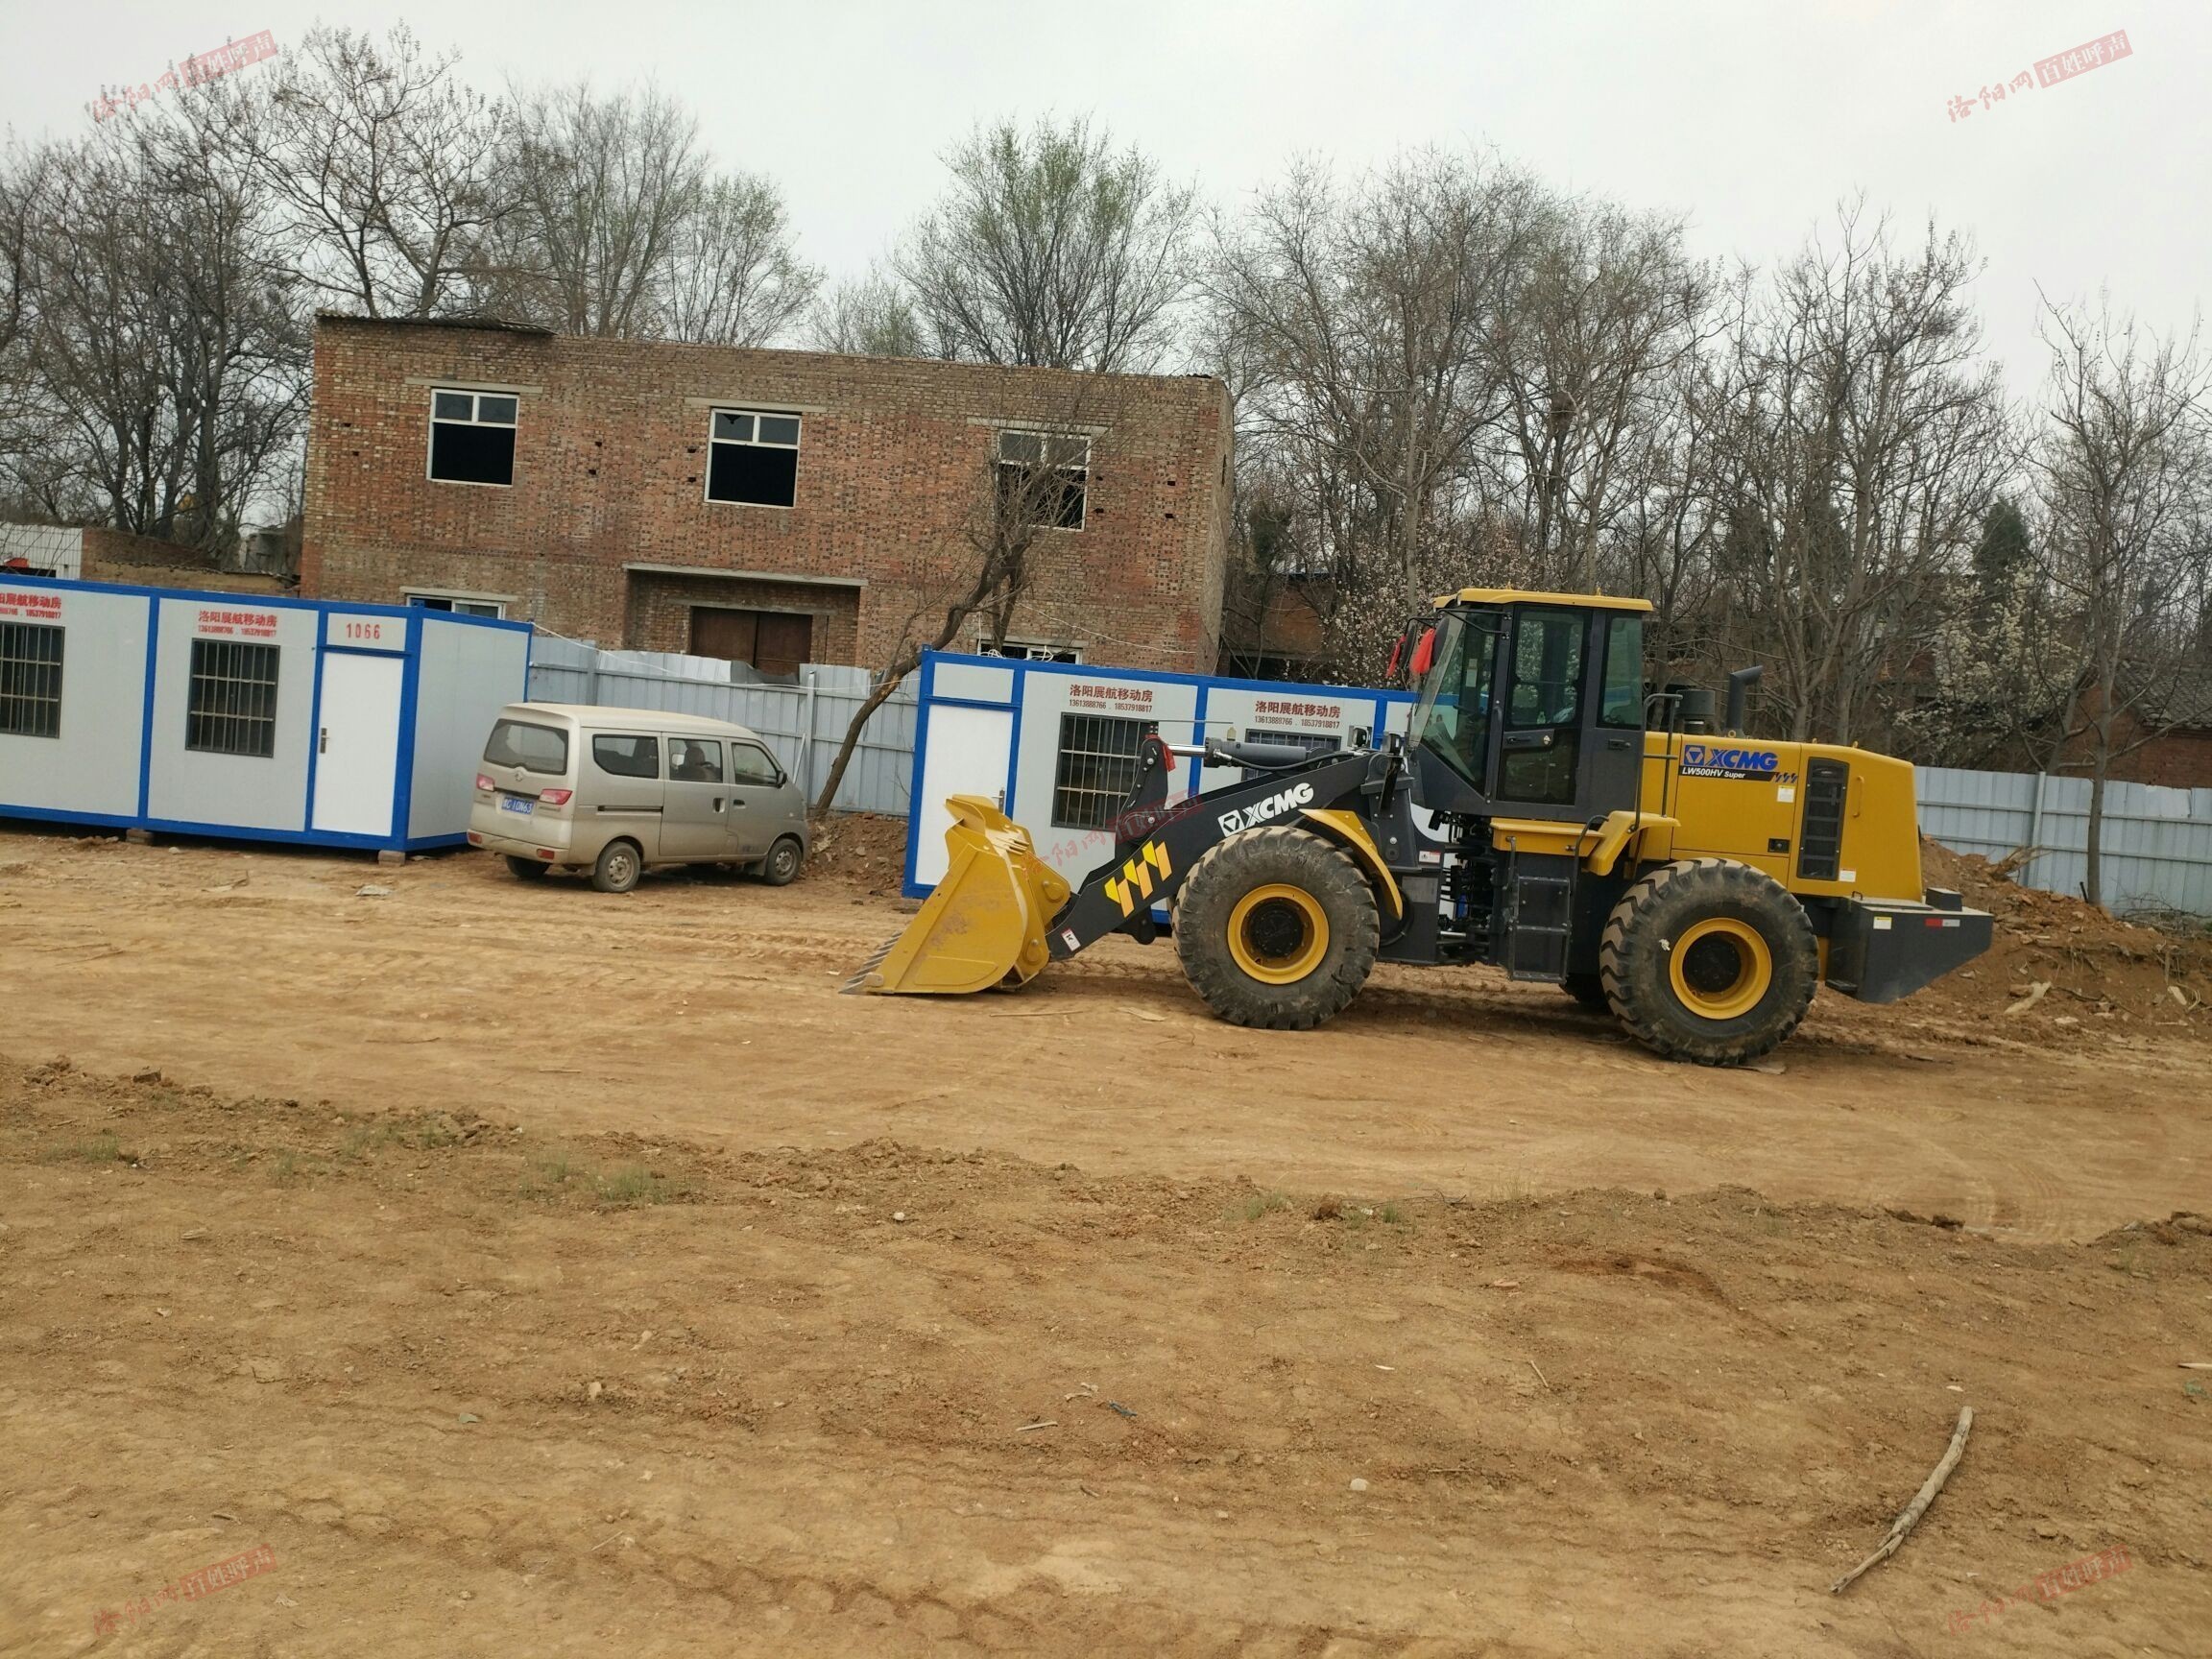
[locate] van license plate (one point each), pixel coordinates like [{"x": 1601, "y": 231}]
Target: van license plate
[{"x": 508, "y": 804}]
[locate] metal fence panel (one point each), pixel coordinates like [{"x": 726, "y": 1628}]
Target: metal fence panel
[
  {"x": 803, "y": 724},
  {"x": 2157, "y": 844}
]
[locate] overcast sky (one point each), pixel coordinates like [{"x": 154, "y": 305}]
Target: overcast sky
[{"x": 1752, "y": 117}]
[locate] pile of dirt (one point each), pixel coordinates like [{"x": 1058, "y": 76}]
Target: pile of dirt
[
  {"x": 2097, "y": 971},
  {"x": 865, "y": 851}
]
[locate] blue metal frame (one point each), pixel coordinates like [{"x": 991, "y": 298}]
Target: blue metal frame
[
  {"x": 1022, "y": 668},
  {"x": 396, "y": 837}
]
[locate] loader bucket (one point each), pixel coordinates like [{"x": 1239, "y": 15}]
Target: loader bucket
[{"x": 985, "y": 923}]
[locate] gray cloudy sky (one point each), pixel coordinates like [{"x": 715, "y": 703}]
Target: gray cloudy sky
[{"x": 1750, "y": 116}]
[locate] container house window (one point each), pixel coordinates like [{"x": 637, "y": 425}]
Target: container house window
[
  {"x": 753, "y": 458},
  {"x": 1044, "y": 476},
  {"x": 1095, "y": 769},
  {"x": 472, "y": 437},
  {"x": 30, "y": 680},
  {"x": 231, "y": 705}
]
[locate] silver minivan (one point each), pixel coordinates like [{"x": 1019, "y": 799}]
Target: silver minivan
[{"x": 573, "y": 786}]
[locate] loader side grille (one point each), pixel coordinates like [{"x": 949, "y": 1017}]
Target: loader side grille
[{"x": 1820, "y": 841}]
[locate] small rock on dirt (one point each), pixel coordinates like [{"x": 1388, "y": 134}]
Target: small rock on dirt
[
  {"x": 372, "y": 890},
  {"x": 1357, "y": 1484}
]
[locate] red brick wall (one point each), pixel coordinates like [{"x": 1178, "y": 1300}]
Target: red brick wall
[
  {"x": 147, "y": 561},
  {"x": 895, "y": 454}
]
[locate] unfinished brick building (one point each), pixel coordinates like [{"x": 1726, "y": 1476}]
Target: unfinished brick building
[{"x": 769, "y": 507}]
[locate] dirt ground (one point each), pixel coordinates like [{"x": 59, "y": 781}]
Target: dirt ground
[{"x": 535, "y": 1271}]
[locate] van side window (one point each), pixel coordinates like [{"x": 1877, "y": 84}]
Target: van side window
[
  {"x": 625, "y": 756},
  {"x": 752, "y": 764},
  {"x": 694, "y": 760}
]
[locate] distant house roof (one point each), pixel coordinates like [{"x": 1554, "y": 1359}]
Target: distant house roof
[{"x": 479, "y": 320}]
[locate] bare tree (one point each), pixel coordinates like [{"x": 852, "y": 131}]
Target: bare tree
[
  {"x": 1586, "y": 345},
  {"x": 168, "y": 349},
  {"x": 1051, "y": 249},
  {"x": 385, "y": 166},
  {"x": 1871, "y": 439},
  {"x": 1362, "y": 320},
  {"x": 980, "y": 571},
  {"x": 870, "y": 317},
  {"x": 2125, "y": 467},
  {"x": 733, "y": 277},
  {"x": 606, "y": 187}
]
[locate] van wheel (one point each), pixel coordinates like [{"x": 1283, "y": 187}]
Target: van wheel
[
  {"x": 526, "y": 869},
  {"x": 619, "y": 866},
  {"x": 781, "y": 863}
]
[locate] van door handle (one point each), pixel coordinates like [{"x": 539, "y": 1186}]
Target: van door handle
[{"x": 718, "y": 802}]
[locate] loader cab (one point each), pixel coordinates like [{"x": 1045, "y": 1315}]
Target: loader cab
[{"x": 1530, "y": 705}]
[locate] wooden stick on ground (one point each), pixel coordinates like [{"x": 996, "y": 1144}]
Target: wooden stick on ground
[{"x": 1913, "y": 1511}]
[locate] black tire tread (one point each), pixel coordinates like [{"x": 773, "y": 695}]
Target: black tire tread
[
  {"x": 1670, "y": 898},
  {"x": 1219, "y": 879}
]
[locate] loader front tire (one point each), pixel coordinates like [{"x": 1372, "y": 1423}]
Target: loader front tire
[
  {"x": 1709, "y": 960},
  {"x": 1277, "y": 927}
]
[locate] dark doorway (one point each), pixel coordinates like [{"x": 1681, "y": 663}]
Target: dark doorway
[{"x": 775, "y": 643}]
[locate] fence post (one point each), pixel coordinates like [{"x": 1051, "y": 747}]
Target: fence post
[
  {"x": 2034, "y": 828},
  {"x": 591, "y": 674},
  {"x": 805, "y": 766}
]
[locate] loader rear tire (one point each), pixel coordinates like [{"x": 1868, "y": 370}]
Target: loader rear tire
[
  {"x": 1277, "y": 927},
  {"x": 1709, "y": 960}
]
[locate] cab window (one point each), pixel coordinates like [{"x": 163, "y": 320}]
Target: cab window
[
  {"x": 1454, "y": 718},
  {"x": 1623, "y": 702},
  {"x": 748, "y": 763}
]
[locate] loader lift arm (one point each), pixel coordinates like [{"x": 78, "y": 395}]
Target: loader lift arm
[
  {"x": 1001, "y": 913},
  {"x": 1156, "y": 845}
]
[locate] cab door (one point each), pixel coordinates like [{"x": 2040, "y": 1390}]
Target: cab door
[{"x": 1539, "y": 760}]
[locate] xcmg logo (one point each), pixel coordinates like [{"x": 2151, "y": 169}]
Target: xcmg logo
[
  {"x": 1260, "y": 811},
  {"x": 1705, "y": 760}
]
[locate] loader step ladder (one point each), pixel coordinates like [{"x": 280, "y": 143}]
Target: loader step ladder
[{"x": 1538, "y": 921}]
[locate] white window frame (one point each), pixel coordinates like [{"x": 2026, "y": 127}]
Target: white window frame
[
  {"x": 706, "y": 473},
  {"x": 1031, "y": 650},
  {"x": 498, "y": 601},
  {"x": 436, "y": 420},
  {"x": 1045, "y": 441}
]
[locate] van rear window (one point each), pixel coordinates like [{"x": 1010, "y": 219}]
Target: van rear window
[
  {"x": 627, "y": 756},
  {"x": 532, "y": 747}
]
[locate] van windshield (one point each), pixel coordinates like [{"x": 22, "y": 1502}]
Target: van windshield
[{"x": 532, "y": 747}]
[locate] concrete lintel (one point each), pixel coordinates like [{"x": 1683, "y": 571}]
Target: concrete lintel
[{"x": 785, "y": 576}]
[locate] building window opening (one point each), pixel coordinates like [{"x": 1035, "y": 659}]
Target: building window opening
[
  {"x": 753, "y": 458},
  {"x": 231, "y": 705},
  {"x": 472, "y": 437},
  {"x": 1044, "y": 478},
  {"x": 1096, "y": 768},
  {"x": 30, "y": 680}
]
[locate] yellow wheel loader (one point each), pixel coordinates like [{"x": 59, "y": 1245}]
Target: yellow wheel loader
[{"x": 1542, "y": 815}]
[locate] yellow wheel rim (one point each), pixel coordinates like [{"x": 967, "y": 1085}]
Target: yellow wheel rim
[
  {"x": 1720, "y": 968},
  {"x": 1277, "y": 933}
]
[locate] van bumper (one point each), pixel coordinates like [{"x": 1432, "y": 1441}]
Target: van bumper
[
  {"x": 1880, "y": 950},
  {"x": 496, "y": 837}
]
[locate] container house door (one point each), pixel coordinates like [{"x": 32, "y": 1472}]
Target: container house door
[{"x": 357, "y": 744}]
